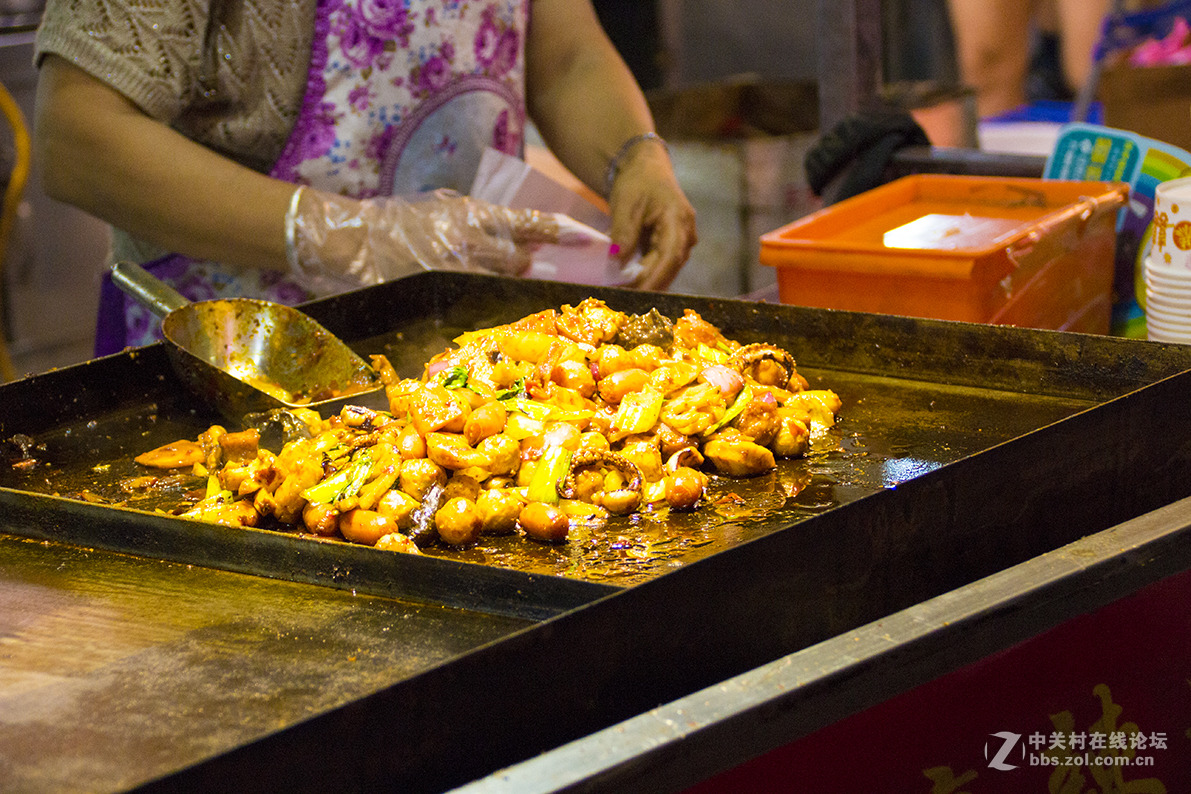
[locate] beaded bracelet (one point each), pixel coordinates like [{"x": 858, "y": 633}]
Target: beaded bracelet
[{"x": 622, "y": 152}]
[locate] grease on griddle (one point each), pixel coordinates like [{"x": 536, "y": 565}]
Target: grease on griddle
[{"x": 17, "y": 451}]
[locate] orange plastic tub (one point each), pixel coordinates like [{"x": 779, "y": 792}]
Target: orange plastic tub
[{"x": 1028, "y": 252}]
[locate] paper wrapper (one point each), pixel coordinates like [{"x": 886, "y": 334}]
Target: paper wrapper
[{"x": 582, "y": 254}]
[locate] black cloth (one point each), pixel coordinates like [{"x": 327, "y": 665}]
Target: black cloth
[{"x": 862, "y": 144}]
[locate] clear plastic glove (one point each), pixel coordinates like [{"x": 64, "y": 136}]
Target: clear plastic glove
[{"x": 335, "y": 242}]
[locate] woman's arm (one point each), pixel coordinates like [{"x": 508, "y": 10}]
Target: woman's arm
[
  {"x": 582, "y": 96},
  {"x": 587, "y": 104},
  {"x": 96, "y": 150}
]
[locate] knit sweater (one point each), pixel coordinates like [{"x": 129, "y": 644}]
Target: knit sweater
[{"x": 229, "y": 74}]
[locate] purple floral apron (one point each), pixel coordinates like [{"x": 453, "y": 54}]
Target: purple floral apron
[{"x": 402, "y": 97}]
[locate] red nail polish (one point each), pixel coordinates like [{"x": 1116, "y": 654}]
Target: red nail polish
[{"x": 613, "y": 249}]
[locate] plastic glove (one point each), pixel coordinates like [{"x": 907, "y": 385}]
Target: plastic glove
[{"x": 335, "y": 242}]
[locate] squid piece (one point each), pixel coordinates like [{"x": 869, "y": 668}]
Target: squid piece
[
  {"x": 531, "y": 346},
  {"x": 434, "y": 408},
  {"x": 240, "y": 447},
  {"x": 395, "y": 541},
  {"x": 753, "y": 359},
  {"x": 592, "y": 322},
  {"x": 174, "y": 455},
  {"x": 672, "y": 376},
  {"x": 248, "y": 478},
  {"x": 645, "y": 454},
  {"x": 384, "y": 369},
  {"x": 358, "y": 417},
  {"x": 400, "y": 394},
  {"x": 625, "y": 495},
  {"x": 734, "y": 454},
  {"x": 818, "y": 406},
  {"x": 760, "y": 420},
  {"x": 299, "y": 472},
  {"x": 793, "y": 438},
  {"x": 209, "y": 440},
  {"x": 694, "y": 409},
  {"x": 692, "y": 330},
  {"x": 225, "y": 511}
]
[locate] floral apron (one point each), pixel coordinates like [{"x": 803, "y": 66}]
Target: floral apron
[{"x": 402, "y": 97}]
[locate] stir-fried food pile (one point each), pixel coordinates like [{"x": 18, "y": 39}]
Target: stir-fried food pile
[{"x": 568, "y": 415}]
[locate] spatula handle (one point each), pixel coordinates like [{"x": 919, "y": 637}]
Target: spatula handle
[{"x": 148, "y": 290}]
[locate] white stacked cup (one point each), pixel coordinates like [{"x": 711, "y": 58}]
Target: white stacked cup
[{"x": 1168, "y": 265}]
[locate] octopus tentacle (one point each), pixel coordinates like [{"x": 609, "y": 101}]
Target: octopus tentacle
[
  {"x": 620, "y": 500},
  {"x": 754, "y": 353}
]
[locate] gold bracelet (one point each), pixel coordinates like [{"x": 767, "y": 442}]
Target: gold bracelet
[{"x": 622, "y": 152}]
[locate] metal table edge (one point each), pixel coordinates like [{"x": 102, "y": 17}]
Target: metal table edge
[{"x": 692, "y": 738}]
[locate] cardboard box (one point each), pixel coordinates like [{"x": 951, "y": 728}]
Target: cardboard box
[{"x": 1154, "y": 101}]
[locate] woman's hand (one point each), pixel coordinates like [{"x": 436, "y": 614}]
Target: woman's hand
[
  {"x": 586, "y": 104},
  {"x": 651, "y": 214}
]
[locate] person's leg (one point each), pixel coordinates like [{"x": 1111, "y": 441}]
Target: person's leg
[
  {"x": 992, "y": 49},
  {"x": 1079, "y": 31},
  {"x": 1046, "y": 79}
]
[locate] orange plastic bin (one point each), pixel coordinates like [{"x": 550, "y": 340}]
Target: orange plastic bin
[{"x": 1028, "y": 252}]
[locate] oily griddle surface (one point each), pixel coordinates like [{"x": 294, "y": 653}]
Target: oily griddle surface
[
  {"x": 118, "y": 669},
  {"x": 948, "y": 465},
  {"x": 890, "y": 429}
]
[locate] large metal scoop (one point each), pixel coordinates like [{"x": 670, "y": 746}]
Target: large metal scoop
[{"x": 243, "y": 355}]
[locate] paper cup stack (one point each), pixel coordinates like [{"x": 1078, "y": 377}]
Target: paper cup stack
[{"x": 1168, "y": 266}]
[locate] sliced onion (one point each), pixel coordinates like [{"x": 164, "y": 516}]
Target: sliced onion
[{"x": 724, "y": 378}]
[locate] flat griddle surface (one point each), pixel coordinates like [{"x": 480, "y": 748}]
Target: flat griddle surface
[
  {"x": 892, "y": 427},
  {"x": 962, "y": 450},
  {"x": 118, "y": 669}
]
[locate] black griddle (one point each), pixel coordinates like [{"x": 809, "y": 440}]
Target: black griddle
[{"x": 962, "y": 450}]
